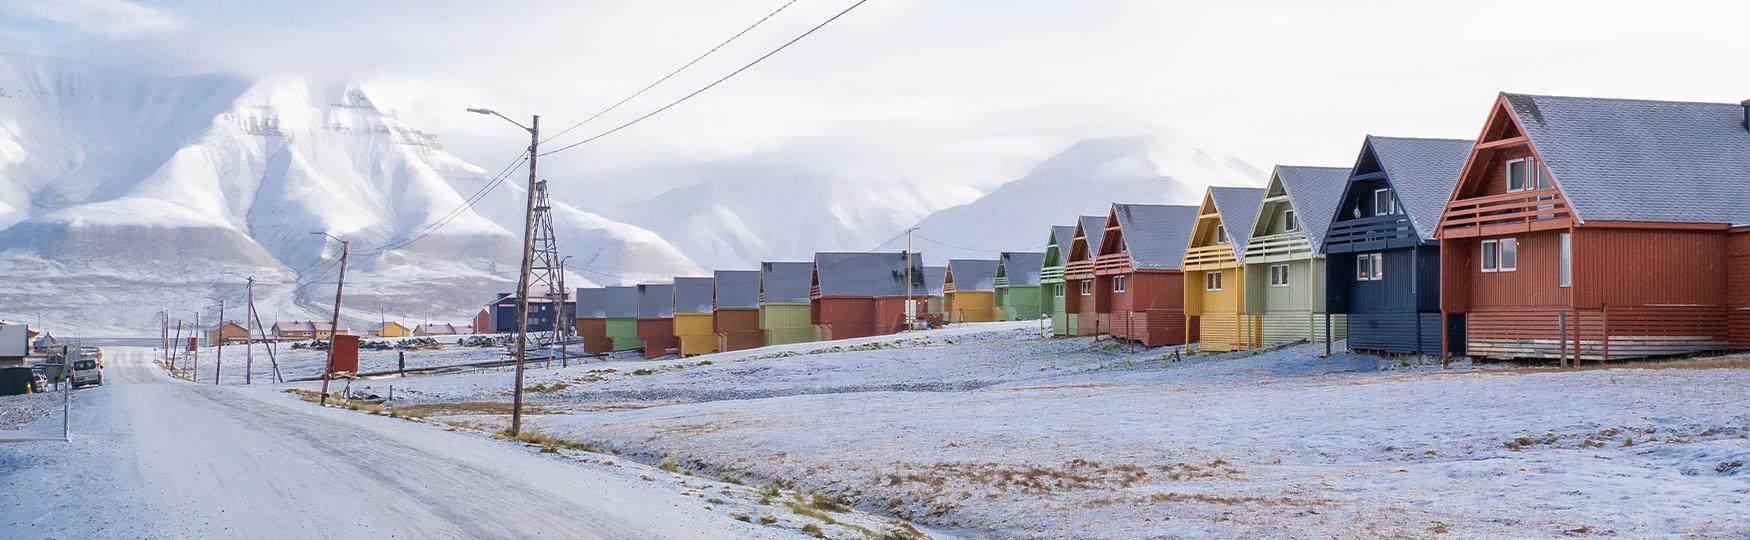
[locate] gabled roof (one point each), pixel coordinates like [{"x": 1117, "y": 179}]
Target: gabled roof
[
  {"x": 1640, "y": 160},
  {"x": 786, "y": 282},
  {"x": 1092, "y": 227},
  {"x": 655, "y": 300},
  {"x": 737, "y": 289},
  {"x": 1062, "y": 235},
  {"x": 374, "y": 327},
  {"x": 1155, "y": 234},
  {"x": 1237, "y": 205},
  {"x": 622, "y": 302},
  {"x": 443, "y": 329},
  {"x": 935, "y": 277},
  {"x": 1022, "y": 268},
  {"x": 868, "y": 274},
  {"x": 973, "y": 274},
  {"x": 305, "y": 326},
  {"x": 1313, "y": 191},
  {"x": 592, "y": 303},
  {"x": 693, "y": 294},
  {"x": 1421, "y": 171}
]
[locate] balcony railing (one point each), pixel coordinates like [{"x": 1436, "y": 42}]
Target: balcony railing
[
  {"x": 1277, "y": 247},
  {"x": 1112, "y": 263},
  {"x": 1209, "y": 257},
  {"x": 1051, "y": 274},
  {"x": 1370, "y": 230},
  {"x": 1507, "y": 213},
  {"x": 1079, "y": 270}
]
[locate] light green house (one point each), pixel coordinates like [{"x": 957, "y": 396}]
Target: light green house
[
  {"x": 1285, "y": 269},
  {"x": 1018, "y": 285},
  {"x": 1051, "y": 279},
  {"x": 784, "y": 303},
  {"x": 935, "y": 278},
  {"x": 622, "y": 312}
]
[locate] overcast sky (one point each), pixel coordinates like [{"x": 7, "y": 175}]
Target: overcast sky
[{"x": 967, "y": 91}]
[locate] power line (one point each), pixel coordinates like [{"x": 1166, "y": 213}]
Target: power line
[
  {"x": 708, "y": 86},
  {"x": 945, "y": 244},
  {"x": 670, "y": 74},
  {"x": 457, "y": 212}
]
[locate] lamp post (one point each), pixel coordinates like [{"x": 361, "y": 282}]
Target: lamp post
[{"x": 522, "y": 303}]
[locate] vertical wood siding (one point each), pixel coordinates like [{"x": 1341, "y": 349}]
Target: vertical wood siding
[{"x": 658, "y": 336}]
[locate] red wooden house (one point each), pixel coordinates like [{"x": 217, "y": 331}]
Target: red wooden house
[
  {"x": 656, "y": 319},
  {"x": 1578, "y": 218},
  {"x": 736, "y": 301},
  {"x": 1082, "y": 299},
  {"x": 864, "y": 294},
  {"x": 1138, "y": 267}
]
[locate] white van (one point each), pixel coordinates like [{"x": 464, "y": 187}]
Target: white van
[{"x": 87, "y": 371}]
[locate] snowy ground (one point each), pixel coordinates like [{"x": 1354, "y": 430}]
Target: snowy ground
[
  {"x": 16, "y": 411},
  {"x": 986, "y": 430},
  {"x": 233, "y": 361}
]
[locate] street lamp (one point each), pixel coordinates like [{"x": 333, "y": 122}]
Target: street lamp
[{"x": 522, "y": 303}]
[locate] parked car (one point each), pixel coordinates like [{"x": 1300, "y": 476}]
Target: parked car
[
  {"x": 40, "y": 382},
  {"x": 87, "y": 372}
]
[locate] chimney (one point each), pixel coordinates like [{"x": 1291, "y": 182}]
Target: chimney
[{"x": 1746, "y": 104}]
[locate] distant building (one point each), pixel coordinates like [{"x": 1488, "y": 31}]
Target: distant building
[
  {"x": 442, "y": 329},
  {"x": 540, "y": 310},
  {"x": 864, "y": 294},
  {"x": 390, "y": 329},
  {"x": 1018, "y": 284},
  {"x": 295, "y": 330},
  {"x": 227, "y": 333},
  {"x": 970, "y": 291}
]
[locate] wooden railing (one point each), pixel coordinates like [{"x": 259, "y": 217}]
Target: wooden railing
[
  {"x": 1051, "y": 274},
  {"x": 1112, "y": 263},
  {"x": 1507, "y": 213},
  {"x": 1370, "y": 229},
  {"x": 1277, "y": 246},
  {"x": 1634, "y": 331},
  {"x": 1209, "y": 257},
  {"x": 1079, "y": 270}
]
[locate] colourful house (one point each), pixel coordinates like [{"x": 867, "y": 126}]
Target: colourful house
[
  {"x": 1285, "y": 265},
  {"x": 622, "y": 323},
  {"x": 1215, "y": 282},
  {"x": 935, "y": 278},
  {"x": 864, "y": 294},
  {"x": 1616, "y": 228},
  {"x": 592, "y": 320},
  {"x": 1138, "y": 268},
  {"x": 227, "y": 333},
  {"x": 656, "y": 319},
  {"x": 390, "y": 329},
  {"x": 1083, "y": 301},
  {"x": 785, "y": 309},
  {"x": 1382, "y": 261},
  {"x": 969, "y": 291},
  {"x": 1017, "y": 285},
  {"x": 736, "y": 310},
  {"x": 694, "y": 321},
  {"x": 1051, "y": 286}
]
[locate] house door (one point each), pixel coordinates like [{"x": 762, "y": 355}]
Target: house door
[{"x": 1455, "y": 333}]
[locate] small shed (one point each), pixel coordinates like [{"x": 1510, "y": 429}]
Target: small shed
[
  {"x": 1051, "y": 286},
  {"x": 785, "y": 307},
  {"x": 622, "y": 311},
  {"x": 694, "y": 322},
  {"x": 864, "y": 294},
  {"x": 736, "y": 310},
  {"x": 656, "y": 319},
  {"x": 1082, "y": 302},
  {"x": 969, "y": 291},
  {"x": 1139, "y": 270},
  {"x": 390, "y": 329},
  {"x": 1017, "y": 285},
  {"x": 1215, "y": 283}
]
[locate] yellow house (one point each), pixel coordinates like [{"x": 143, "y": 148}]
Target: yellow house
[
  {"x": 1215, "y": 280},
  {"x": 694, "y": 318},
  {"x": 391, "y": 329},
  {"x": 969, "y": 291}
]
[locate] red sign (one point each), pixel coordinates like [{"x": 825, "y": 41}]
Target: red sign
[
  {"x": 346, "y": 354},
  {"x": 193, "y": 345}
]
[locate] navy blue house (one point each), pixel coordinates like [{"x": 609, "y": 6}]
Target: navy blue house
[{"x": 1382, "y": 261}]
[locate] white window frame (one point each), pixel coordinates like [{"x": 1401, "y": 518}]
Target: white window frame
[
  {"x": 1212, "y": 281},
  {"x": 1565, "y": 262},
  {"x": 1391, "y": 204},
  {"x": 1289, "y": 223},
  {"x": 1220, "y": 234},
  {"x": 1120, "y": 283},
  {"x": 1369, "y": 267},
  {"x": 1543, "y": 180},
  {"x": 1490, "y": 258},
  {"x": 1524, "y": 174},
  {"x": 1509, "y": 245},
  {"x": 1278, "y": 275},
  {"x": 1087, "y": 287}
]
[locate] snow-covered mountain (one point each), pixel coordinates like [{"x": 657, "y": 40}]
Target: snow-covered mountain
[
  {"x": 121, "y": 193},
  {"x": 742, "y": 213},
  {"x": 1084, "y": 179}
]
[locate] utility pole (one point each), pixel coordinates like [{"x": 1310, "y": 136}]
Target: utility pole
[
  {"x": 249, "y": 333},
  {"x": 265, "y": 344},
  {"x": 334, "y": 323},
  {"x": 178, "y": 344},
  {"x": 219, "y": 357},
  {"x": 562, "y": 333},
  {"x": 911, "y": 308},
  {"x": 522, "y": 304},
  {"x": 194, "y": 363}
]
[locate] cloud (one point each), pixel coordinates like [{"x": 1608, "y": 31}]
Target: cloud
[{"x": 110, "y": 18}]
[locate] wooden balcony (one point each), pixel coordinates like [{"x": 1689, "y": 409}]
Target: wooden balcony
[
  {"x": 1508, "y": 213},
  {"x": 1369, "y": 234},
  {"x": 1051, "y": 274},
  {"x": 1112, "y": 263},
  {"x": 1213, "y": 257},
  {"x": 1079, "y": 270},
  {"x": 1278, "y": 247}
]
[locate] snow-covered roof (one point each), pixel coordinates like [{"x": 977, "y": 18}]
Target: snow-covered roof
[
  {"x": 1155, "y": 234},
  {"x": 655, "y": 300},
  {"x": 974, "y": 274},
  {"x": 1021, "y": 268},
  {"x": 736, "y": 289},
  {"x": 869, "y": 274},
  {"x": 786, "y": 282},
  {"x": 693, "y": 294}
]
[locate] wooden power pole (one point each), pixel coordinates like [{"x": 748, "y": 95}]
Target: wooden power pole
[
  {"x": 522, "y": 303},
  {"x": 334, "y": 323},
  {"x": 219, "y": 348},
  {"x": 249, "y": 333}
]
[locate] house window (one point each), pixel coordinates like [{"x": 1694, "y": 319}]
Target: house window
[
  {"x": 1288, "y": 221},
  {"x": 1501, "y": 255},
  {"x": 1369, "y": 267},
  {"x": 1057, "y": 290},
  {"x": 1383, "y": 203},
  {"x": 1543, "y": 181},
  {"x": 1220, "y": 234},
  {"x": 1119, "y": 282},
  {"x": 1565, "y": 264},
  {"x": 1278, "y": 275},
  {"x": 1516, "y": 174},
  {"x": 1212, "y": 281},
  {"x": 1087, "y": 288}
]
